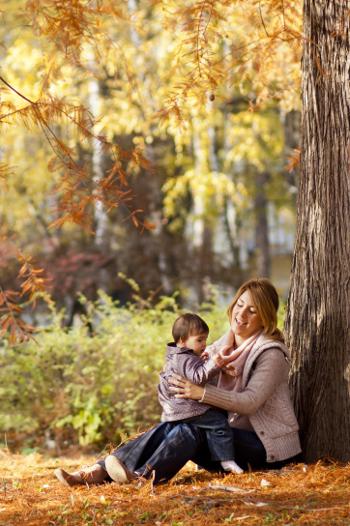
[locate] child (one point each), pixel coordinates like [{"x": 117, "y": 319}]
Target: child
[{"x": 183, "y": 357}]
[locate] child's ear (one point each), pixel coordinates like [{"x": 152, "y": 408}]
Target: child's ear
[{"x": 180, "y": 342}]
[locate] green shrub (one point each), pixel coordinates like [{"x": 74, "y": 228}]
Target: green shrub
[
  {"x": 87, "y": 388},
  {"x": 94, "y": 388}
]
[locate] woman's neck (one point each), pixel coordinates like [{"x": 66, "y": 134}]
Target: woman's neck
[{"x": 239, "y": 340}]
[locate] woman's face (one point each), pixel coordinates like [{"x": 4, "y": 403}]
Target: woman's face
[{"x": 245, "y": 320}]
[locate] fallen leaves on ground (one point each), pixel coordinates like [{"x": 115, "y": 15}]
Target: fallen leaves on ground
[{"x": 297, "y": 495}]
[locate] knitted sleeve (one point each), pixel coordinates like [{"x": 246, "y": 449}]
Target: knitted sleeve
[{"x": 270, "y": 370}]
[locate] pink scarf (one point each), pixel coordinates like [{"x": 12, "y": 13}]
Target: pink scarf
[{"x": 234, "y": 360}]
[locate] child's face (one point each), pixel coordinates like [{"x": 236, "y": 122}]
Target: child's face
[{"x": 196, "y": 342}]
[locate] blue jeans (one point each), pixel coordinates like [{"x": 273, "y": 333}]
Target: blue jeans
[
  {"x": 167, "y": 447},
  {"x": 217, "y": 431},
  {"x": 164, "y": 449}
]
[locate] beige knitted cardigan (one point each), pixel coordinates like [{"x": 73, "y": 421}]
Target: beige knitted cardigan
[{"x": 264, "y": 398}]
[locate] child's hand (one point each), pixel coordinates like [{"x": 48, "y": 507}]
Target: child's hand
[
  {"x": 219, "y": 360},
  {"x": 227, "y": 367},
  {"x": 205, "y": 356},
  {"x": 223, "y": 358},
  {"x": 224, "y": 350}
]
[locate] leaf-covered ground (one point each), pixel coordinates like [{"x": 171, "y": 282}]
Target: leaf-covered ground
[{"x": 298, "y": 495}]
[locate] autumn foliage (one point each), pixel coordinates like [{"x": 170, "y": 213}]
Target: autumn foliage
[
  {"x": 109, "y": 83},
  {"x": 299, "y": 495}
]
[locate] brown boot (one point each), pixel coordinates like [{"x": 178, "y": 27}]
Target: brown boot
[{"x": 91, "y": 475}]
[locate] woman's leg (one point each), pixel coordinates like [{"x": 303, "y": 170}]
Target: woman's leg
[
  {"x": 134, "y": 453},
  {"x": 181, "y": 444},
  {"x": 164, "y": 449},
  {"x": 248, "y": 451},
  {"x": 94, "y": 474},
  {"x": 137, "y": 451}
]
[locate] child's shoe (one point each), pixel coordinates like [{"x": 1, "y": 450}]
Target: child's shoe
[{"x": 230, "y": 465}]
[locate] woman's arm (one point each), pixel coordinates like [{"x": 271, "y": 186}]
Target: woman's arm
[
  {"x": 270, "y": 370},
  {"x": 183, "y": 388}
]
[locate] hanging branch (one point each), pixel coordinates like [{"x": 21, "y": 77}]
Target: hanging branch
[
  {"x": 263, "y": 21},
  {"x": 74, "y": 182},
  {"x": 10, "y": 321},
  {"x": 74, "y": 191}
]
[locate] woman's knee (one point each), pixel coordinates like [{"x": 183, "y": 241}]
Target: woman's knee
[{"x": 186, "y": 435}]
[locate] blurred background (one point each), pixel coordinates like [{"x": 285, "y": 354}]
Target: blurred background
[{"x": 201, "y": 107}]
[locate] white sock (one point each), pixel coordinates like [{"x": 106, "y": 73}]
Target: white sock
[{"x": 230, "y": 465}]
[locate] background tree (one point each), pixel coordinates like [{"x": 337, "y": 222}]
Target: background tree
[
  {"x": 182, "y": 111},
  {"x": 177, "y": 107},
  {"x": 318, "y": 313}
]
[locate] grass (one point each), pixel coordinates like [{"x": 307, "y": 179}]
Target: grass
[{"x": 298, "y": 495}]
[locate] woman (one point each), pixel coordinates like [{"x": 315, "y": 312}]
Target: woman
[
  {"x": 253, "y": 389},
  {"x": 260, "y": 412}
]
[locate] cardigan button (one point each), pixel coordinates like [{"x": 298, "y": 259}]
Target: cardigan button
[{"x": 262, "y": 433}]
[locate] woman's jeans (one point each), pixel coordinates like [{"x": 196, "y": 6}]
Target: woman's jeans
[{"x": 167, "y": 447}]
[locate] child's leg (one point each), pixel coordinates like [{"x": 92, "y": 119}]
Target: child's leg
[{"x": 219, "y": 438}]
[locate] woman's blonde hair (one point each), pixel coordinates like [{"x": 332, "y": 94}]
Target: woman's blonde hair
[{"x": 265, "y": 298}]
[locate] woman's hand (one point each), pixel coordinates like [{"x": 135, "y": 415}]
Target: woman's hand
[{"x": 183, "y": 388}]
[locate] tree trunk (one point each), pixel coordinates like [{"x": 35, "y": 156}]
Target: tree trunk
[
  {"x": 157, "y": 239},
  {"x": 231, "y": 217},
  {"x": 318, "y": 318},
  {"x": 97, "y": 156}
]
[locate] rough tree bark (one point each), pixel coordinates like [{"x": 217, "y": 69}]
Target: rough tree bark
[{"x": 318, "y": 317}]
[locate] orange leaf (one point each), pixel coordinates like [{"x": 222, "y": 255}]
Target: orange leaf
[{"x": 294, "y": 160}]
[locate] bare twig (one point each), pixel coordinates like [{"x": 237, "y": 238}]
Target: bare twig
[{"x": 263, "y": 21}]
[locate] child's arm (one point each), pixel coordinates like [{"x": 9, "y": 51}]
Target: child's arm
[
  {"x": 195, "y": 369},
  {"x": 216, "y": 347}
]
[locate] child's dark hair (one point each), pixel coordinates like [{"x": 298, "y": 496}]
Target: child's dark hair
[{"x": 187, "y": 325}]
